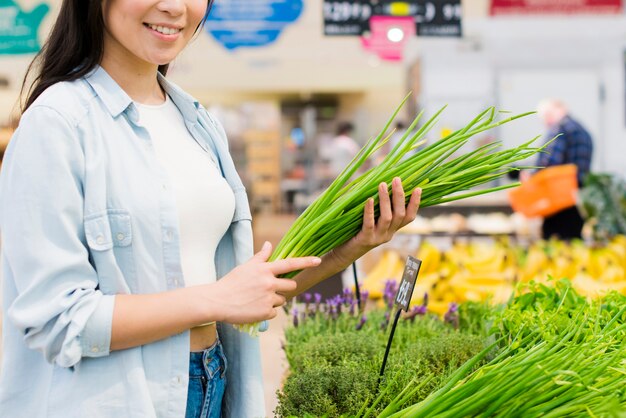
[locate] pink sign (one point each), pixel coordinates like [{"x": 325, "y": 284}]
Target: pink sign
[
  {"x": 538, "y": 7},
  {"x": 389, "y": 36}
]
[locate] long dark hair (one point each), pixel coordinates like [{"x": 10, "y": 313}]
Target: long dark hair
[{"x": 74, "y": 47}]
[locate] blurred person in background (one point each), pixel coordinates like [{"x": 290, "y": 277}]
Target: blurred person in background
[
  {"x": 341, "y": 149},
  {"x": 573, "y": 146},
  {"x": 127, "y": 251}
]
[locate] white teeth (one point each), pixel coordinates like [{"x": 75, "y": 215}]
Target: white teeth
[{"x": 164, "y": 30}]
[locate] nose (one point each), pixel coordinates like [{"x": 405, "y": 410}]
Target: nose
[{"x": 172, "y": 7}]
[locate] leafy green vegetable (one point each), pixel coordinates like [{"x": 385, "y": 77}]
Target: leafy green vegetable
[
  {"x": 604, "y": 200},
  {"x": 559, "y": 356}
]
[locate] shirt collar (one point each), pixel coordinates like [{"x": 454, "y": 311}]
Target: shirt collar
[
  {"x": 117, "y": 100},
  {"x": 187, "y": 105},
  {"x": 112, "y": 95}
]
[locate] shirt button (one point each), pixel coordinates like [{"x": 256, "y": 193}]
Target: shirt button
[
  {"x": 169, "y": 235},
  {"x": 164, "y": 186},
  {"x": 120, "y": 237},
  {"x": 94, "y": 349},
  {"x": 176, "y": 282},
  {"x": 100, "y": 240},
  {"x": 178, "y": 380}
]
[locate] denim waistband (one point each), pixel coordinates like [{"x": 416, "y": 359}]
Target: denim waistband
[{"x": 197, "y": 359}]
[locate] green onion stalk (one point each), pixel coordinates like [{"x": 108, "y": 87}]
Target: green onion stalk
[
  {"x": 337, "y": 215},
  {"x": 573, "y": 373},
  {"x": 556, "y": 355}
]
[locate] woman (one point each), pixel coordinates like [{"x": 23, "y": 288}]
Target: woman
[{"x": 119, "y": 208}]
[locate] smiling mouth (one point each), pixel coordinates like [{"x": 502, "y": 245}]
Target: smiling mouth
[{"x": 162, "y": 29}]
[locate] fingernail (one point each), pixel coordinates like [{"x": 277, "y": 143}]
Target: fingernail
[
  {"x": 266, "y": 244},
  {"x": 316, "y": 261}
]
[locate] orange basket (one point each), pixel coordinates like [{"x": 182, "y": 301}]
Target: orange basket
[{"x": 547, "y": 192}]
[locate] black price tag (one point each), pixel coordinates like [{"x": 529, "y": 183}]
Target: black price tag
[
  {"x": 432, "y": 17},
  {"x": 403, "y": 299},
  {"x": 440, "y": 18},
  {"x": 346, "y": 18},
  {"x": 405, "y": 290}
]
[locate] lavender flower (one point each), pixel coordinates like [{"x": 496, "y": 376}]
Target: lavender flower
[
  {"x": 362, "y": 321},
  {"x": 307, "y": 301},
  {"x": 415, "y": 311},
  {"x": 452, "y": 316},
  {"x": 333, "y": 308},
  {"x": 389, "y": 293},
  {"x": 348, "y": 296},
  {"x": 318, "y": 298},
  {"x": 425, "y": 302},
  {"x": 385, "y": 322},
  {"x": 338, "y": 300},
  {"x": 352, "y": 306},
  {"x": 295, "y": 317}
]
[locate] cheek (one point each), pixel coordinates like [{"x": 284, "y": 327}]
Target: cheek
[{"x": 196, "y": 10}]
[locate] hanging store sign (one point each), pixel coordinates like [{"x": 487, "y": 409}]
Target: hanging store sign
[
  {"x": 245, "y": 23},
  {"x": 431, "y": 17},
  {"x": 388, "y": 36},
  {"x": 542, "y": 7},
  {"x": 347, "y": 18},
  {"x": 18, "y": 29}
]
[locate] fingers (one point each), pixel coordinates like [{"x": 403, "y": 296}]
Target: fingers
[
  {"x": 264, "y": 253},
  {"x": 386, "y": 216},
  {"x": 283, "y": 286},
  {"x": 293, "y": 264},
  {"x": 273, "y": 314},
  {"x": 279, "y": 300},
  {"x": 369, "y": 221},
  {"x": 399, "y": 210},
  {"x": 412, "y": 207}
]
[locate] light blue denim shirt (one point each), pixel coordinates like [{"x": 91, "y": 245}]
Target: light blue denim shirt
[{"x": 87, "y": 212}]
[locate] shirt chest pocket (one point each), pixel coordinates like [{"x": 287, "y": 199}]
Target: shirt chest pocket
[{"x": 109, "y": 238}]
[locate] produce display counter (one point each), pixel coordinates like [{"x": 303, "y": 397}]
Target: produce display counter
[{"x": 488, "y": 203}]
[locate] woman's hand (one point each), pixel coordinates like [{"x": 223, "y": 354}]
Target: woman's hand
[
  {"x": 251, "y": 292},
  {"x": 393, "y": 216}
]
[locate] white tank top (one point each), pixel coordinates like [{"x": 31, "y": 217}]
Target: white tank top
[{"x": 204, "y": 200}]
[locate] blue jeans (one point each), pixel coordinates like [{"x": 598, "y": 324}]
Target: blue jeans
[{"x": 207, "y": 381}]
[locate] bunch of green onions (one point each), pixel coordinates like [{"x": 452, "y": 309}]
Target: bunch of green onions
[
  {"x": 337, "y": 215},
  {"x": 579, "y": 371}
]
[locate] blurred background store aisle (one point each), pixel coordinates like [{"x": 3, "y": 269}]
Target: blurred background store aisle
[{"x": 283, "y": 98}]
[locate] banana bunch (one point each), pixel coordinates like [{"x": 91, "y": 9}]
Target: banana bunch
[
  {"x": 478, "y": 272},
  {"x": 390, "y": 267},
  {"x": 485, "y": 272}
]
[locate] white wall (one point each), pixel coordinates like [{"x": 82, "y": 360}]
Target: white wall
[{"x": 467, "y": 73}]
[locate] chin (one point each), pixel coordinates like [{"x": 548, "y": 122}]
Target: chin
[{"x": 161, "y": 61}]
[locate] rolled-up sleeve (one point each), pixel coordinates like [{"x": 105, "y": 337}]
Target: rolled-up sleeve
[{"x": 59, "y": 307}]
